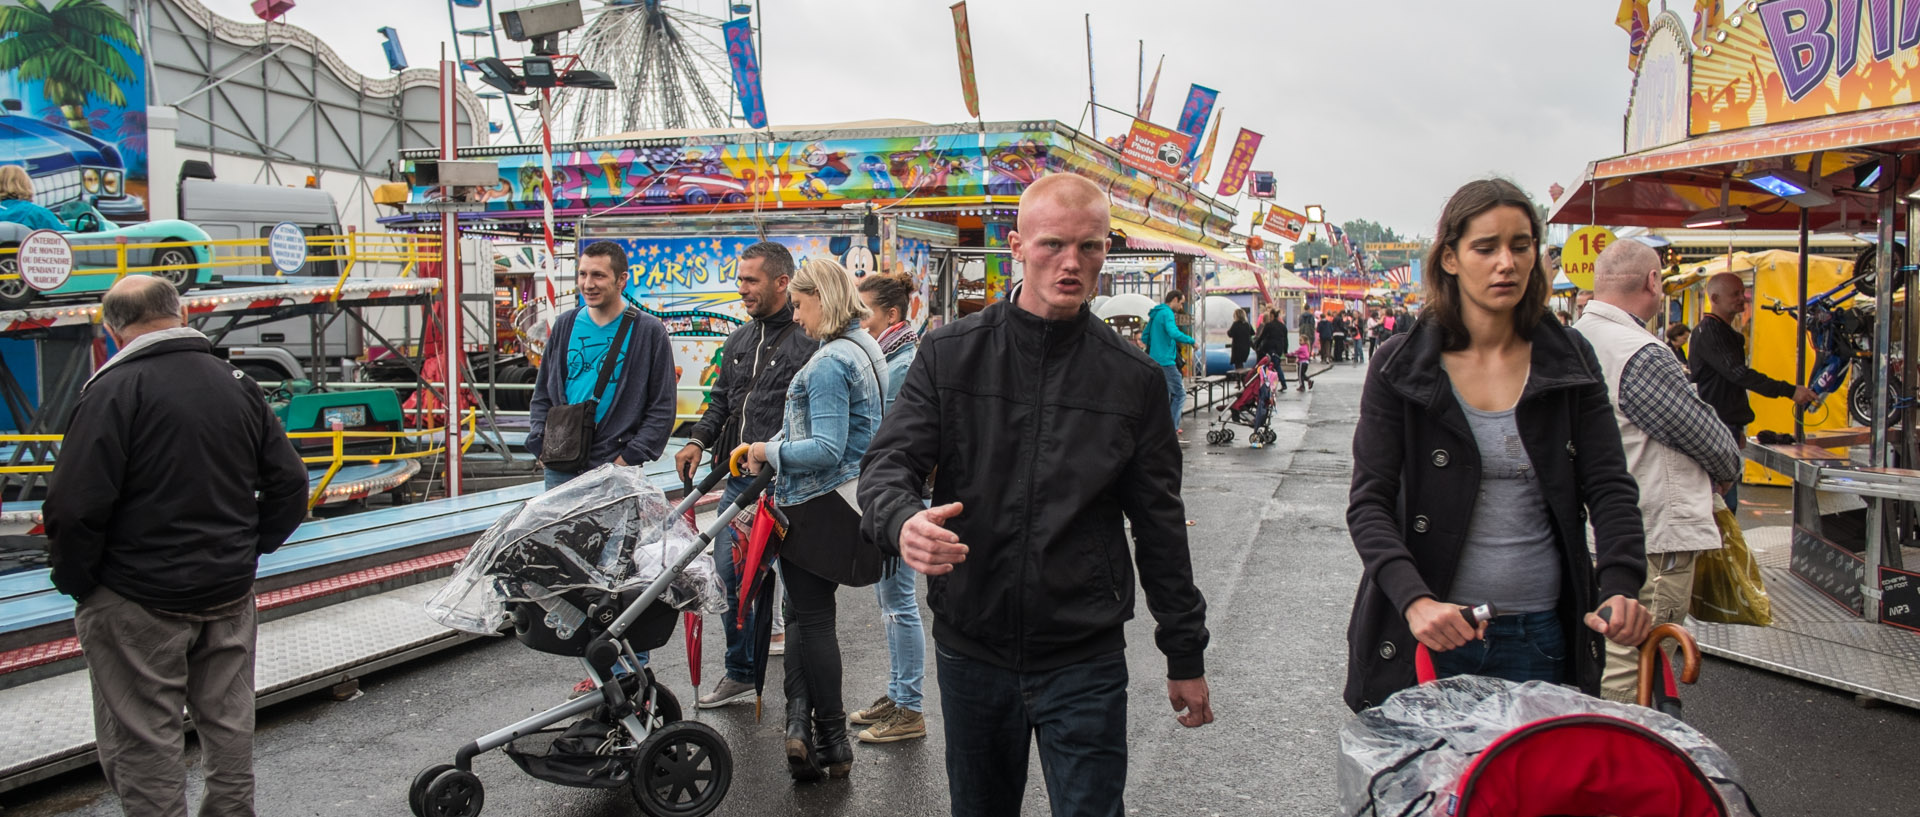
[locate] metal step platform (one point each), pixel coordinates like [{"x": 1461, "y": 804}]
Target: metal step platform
[{"x": 1815, "y": 639}]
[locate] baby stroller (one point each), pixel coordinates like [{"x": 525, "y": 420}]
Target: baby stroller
[
  {"x": 597, "y": 569},
  {"x": 1252, "y": 407},
  {"x": 1469, "y": 746}
]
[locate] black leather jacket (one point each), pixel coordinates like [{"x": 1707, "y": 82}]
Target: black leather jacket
[
  {"x": 749, "y": 397},
  {"x": 1053, "y": 434}
]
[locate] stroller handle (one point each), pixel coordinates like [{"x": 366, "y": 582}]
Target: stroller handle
[{"x": 722, "y": 518}]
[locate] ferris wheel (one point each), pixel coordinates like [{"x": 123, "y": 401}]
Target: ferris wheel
[{"x": 669, "y": 60}]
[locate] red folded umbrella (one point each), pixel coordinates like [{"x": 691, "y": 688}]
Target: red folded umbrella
[
  {"x": 754, "y": 564},
  {"x": 695, "y": 624}
]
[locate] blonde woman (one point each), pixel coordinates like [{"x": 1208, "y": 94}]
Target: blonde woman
[
  {"x": 16, "y": 201},
  {"x": 833, "y": 408}
]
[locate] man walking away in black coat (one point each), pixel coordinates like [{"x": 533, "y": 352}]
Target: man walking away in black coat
[
  {"x": 1025, "y": 547},
  {"x": 174, "y": 477}
]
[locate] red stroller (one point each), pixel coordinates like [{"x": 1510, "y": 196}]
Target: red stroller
[
  {"x": 1469, "y": 746},
  {"x": 1252, "y": 407}
]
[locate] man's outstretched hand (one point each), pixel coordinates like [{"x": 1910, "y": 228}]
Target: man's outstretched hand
[
  {"x": 927, "y": 546},
  {"x": 1191, "y": 699}
]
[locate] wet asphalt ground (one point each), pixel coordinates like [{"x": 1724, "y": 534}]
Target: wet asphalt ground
[{"x": 1270, "y": 551}]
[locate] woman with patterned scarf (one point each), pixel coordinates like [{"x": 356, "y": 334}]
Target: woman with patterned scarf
[{"x": 896, "y": 715}]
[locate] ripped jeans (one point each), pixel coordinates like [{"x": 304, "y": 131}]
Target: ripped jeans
[{"x": 906, "y": 636}]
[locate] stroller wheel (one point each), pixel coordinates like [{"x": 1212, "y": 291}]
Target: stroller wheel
[
  {"x": 454, "y": 793},
  {"x": 1229, "y": 433},
  {"x": 683, "y": 769},
  {"x": 417, "y": 793},
  {"x": 666, "y": 708}
]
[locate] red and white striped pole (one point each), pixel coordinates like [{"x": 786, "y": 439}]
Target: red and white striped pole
[{"x": 452, "y": 346}]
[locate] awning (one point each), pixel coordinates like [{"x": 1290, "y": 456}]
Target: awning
[
  {"x": 1664, "y": 186},
  {"x": 1142, "y": 237}
]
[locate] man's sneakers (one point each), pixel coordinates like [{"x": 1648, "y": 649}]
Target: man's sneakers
[
  {"x": 778, "y": 645},
  {"x": 881, "y": 708},
  {"x": 900, "y": 724},
  {"x": 726, "y": 692}
]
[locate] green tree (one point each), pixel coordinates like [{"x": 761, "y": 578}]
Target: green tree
[
  {"x": 70, "y": 49},
  {"x": 1364, "y": 232},
  {"x": 1306, "y": 254}
]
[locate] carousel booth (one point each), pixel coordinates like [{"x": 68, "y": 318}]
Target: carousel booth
[{"x": 1759, "y": 126}]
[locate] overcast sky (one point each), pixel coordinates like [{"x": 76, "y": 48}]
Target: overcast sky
[{"x": 1376, "y": 109}]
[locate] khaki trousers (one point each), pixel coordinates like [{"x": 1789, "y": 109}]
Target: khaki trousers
[
  {"x": 146, "y": 669},
  {"x": 1667, "y": 595}
]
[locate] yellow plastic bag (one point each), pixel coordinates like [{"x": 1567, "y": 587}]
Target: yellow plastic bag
[{"x": 1726, "y": 583}]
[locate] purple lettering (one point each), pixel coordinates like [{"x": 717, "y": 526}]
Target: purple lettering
[
  {"x": 1910, "y": 25},
  {"x": 1802, "y": 48},
  {"x": 1846, "y": 34}
]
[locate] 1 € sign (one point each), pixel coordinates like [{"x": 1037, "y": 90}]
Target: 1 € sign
[{"x": 1577, "y": 257}]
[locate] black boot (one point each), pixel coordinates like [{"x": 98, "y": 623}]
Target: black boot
[
  {"x": 801, "y": 762},
  {"x": 831, "y": 747}
]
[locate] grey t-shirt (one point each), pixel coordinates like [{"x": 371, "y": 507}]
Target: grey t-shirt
[{"x": 1509, "y": 559}]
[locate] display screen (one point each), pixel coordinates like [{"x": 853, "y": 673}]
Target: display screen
[
  {"x": 349, "y": 416},
  {"x": 1777, "y": 186}
]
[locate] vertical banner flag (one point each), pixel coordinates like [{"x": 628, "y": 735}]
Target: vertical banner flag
[
  {"x": 1146, "y": 106},
  {"x": 1285, "y": 223},
  {"x": 963, "y": 40},
  {"x": 1193, "y": 117},
  {"x": 1206, "y": 153},
  {"x": 746, "y": 71},
  {"x": 1238, "y": 162},
  {"x": 1632, "y": 18}
]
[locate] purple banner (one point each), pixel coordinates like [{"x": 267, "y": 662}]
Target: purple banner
[
  {"x": 1193, "y": 117},
  {"x": 746, "y": 71}
]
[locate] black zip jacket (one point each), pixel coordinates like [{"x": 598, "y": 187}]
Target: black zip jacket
[
  {"x": 1053, "y": 434},
  {"x": 1720, "y": 372},
  {"x": 174, "y": 477},
  {"x": 749, "y": 398},
  {"x": 1416, "y": 474}
]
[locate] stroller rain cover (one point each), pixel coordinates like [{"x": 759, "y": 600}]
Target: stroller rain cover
[
  {"x": 608, "y": 528},
  {"x": 1406, "y": 756}
]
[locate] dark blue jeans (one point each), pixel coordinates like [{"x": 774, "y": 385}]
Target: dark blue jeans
[
  {"x": 1521, "y": 647},
  {"x": 739, "y": 641},
  {"x": 1078, "y": 714}
]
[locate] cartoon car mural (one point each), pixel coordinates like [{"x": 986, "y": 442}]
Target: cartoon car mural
[
  {"x": 692, "y": 184},
  {"x": 66, "y": 165},
  {"x": 90, "y": 229}
]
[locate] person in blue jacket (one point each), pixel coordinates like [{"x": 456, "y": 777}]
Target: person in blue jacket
[
  {"x": 1164, "y": 339},
  {"x": 16, "y": 201}
]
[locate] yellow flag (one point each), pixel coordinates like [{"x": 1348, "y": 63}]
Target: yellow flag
[
  {"x": 1632, "y": 18},
  {"x": 1206, "y": 154}
]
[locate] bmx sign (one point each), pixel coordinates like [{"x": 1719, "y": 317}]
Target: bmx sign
[{"x": 45, "y": 260}]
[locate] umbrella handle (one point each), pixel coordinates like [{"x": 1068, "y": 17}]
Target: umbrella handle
[
  {"x": 1650, "y": 654},
  {"x": 734, "y": 459}
]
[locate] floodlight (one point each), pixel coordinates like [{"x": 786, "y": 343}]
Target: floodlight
[
  {"x": 1316, "y": 214},
  {"x": 1722, "y": 216},
  {"x": 591, "y": 80},
  {"x": 1799, "y": 188},
  {"x": 497, "y": 73},
  {"x": 538, "y": 72}
]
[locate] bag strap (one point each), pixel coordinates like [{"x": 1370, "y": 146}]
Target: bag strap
[
  {"x": 873, "y": 363},
  {"x": 627, "y": 319}
]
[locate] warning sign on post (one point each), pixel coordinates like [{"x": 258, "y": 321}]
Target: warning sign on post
[
  {"x": 287, "y": 247},
  {"x": 46, "y": 260}
]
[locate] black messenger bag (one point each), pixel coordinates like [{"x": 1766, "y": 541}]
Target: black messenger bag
[{"x": 571, "y": 426}]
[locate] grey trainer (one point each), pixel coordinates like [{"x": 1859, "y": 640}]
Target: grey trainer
[
  {"x": 881, "y": 708},
  {"x": 726, "y": 692},
  {"x": 903, "y": 724}
]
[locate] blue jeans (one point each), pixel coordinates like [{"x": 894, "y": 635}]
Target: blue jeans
[
  {"x": 1078, "y": 714},
  {"x": 554, "y": 480},
  {"x": 1176, "y": 392},
  {"x": 1521, "y": 647},
  {"x": 739, "y": 659},
  {"x": 906, "y": 636}
]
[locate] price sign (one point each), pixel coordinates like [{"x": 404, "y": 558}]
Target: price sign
[
  {"x": 1577, "y": 257},
  {"x": 45, "y": 260},
  {"x": 287, "y": 247}
]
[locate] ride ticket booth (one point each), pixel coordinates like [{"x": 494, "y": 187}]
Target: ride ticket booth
[{"x": 1740, "y": 132}]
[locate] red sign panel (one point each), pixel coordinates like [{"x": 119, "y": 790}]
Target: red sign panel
[
  {"x": 1156, "y": 150},
  {"x": 1285, "y": 223}
]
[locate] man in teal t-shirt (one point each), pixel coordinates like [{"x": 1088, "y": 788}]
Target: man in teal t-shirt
[
  {"x": 585, "y": 353},
  {"x": 1164, "y": 340}
]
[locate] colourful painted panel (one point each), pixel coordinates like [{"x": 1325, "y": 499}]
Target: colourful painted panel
[
  {"x": 1796, "y": 59},
  {"x": 73, "y": 105}
]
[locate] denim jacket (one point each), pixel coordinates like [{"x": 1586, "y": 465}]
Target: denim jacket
[{"x": 833, "y": 409}]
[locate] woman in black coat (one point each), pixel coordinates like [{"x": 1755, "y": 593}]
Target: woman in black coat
[
  {"x": 1240, "y": 335},
  {"x": 1271, "y": 342},
  {"x": 1486, "y": 354}
]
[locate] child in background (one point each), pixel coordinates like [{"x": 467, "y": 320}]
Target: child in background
[{"x": 1302, "y": 356}]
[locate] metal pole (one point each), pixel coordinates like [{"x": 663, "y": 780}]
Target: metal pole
[
  {"x": 493, "y": 33},
  {"x": 452, "y": 346},
  {"x": 1090, "y": 98},
  {"x": 1800, "y": 338},
  {"x": 1882, "y": 341},
  {"x": 1140, "y": 79}
]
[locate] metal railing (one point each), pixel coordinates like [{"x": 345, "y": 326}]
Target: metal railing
[
  {"x": 350, "y": 250},
  {"x": 336, "y": 460}
]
